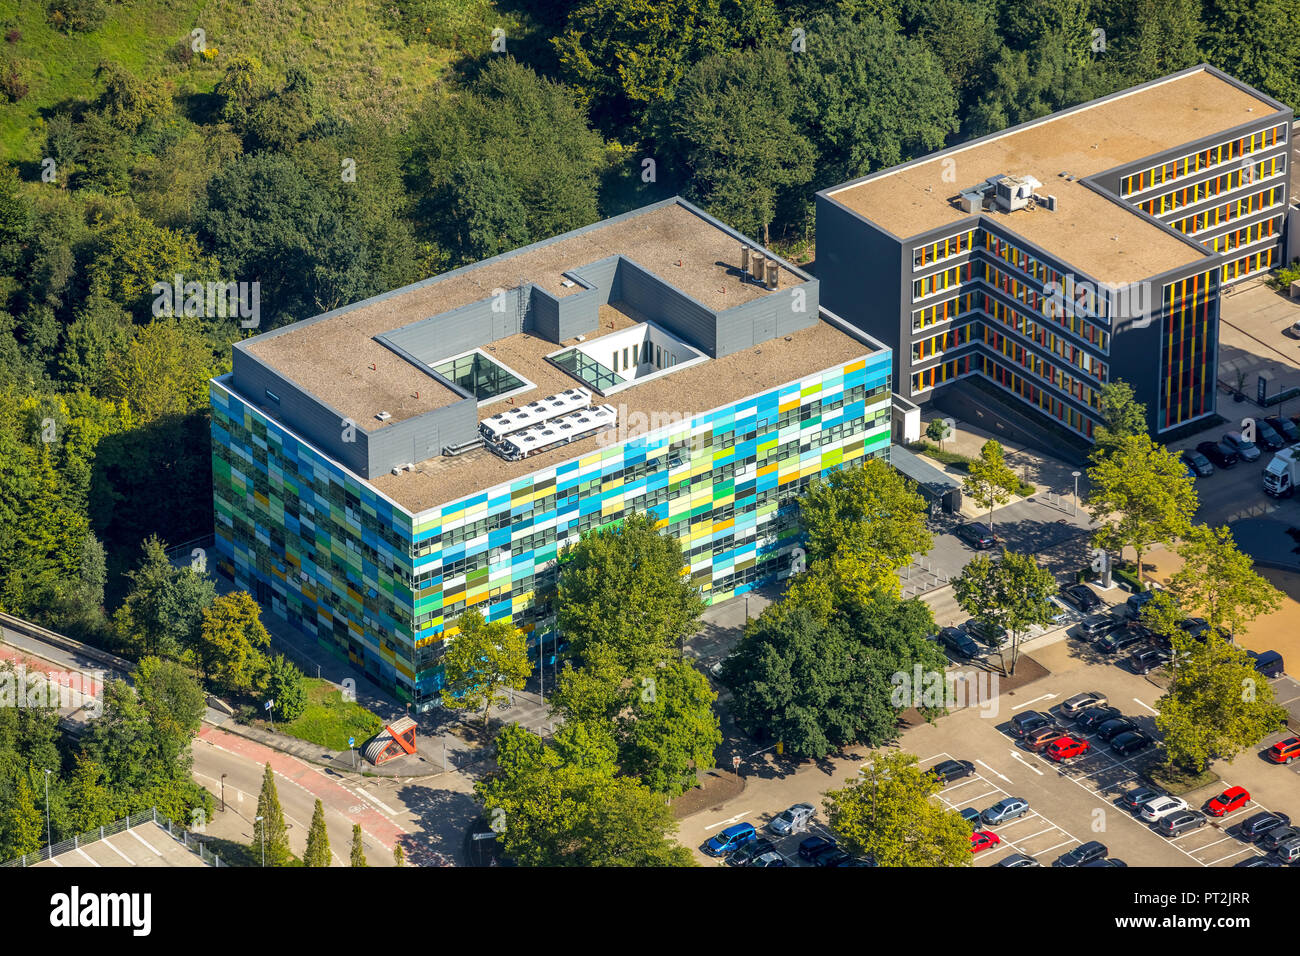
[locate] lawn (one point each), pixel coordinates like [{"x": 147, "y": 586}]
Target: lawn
[{"x": 329, "y": 720}]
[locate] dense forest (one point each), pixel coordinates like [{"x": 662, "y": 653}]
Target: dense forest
[{"x": 329, "y": 152}]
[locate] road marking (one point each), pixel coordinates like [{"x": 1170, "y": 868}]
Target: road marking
[
  {"x": 109, "y": 844},
  {"x": 1147, "y": 706},
  {"x": 146, "y": 843},
  {"x": 1048, "y": 829},
  {"x": 1059, "y": 845},
  {"x": 1017, "y": 757},
  {"x": 734, "y": 819},
  {"x": 994, "y": 772},
  {"x": 1034, "y": 701},
  {"x": 87, "y": 858}
]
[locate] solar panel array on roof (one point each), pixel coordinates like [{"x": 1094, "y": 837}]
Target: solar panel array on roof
[
  {"x": 558, "y": 431},
  {"x": 517, "y": 419}
]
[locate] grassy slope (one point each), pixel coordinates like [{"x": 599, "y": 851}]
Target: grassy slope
[{"x": 362, "y": 65}]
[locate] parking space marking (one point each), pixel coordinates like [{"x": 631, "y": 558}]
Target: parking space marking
[
  {"x": 1030, "y": 703},
  {"x": 1017, "y": 845},
  {"x": 1114, "y": 763},
  {"x": 735, "y": 819},
  {"x": 1147, "y": 706}
]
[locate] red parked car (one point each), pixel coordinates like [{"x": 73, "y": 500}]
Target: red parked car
[
  {"x": 1067, "y": 747},
  {"x": 1284, "y": 751},
  {"x": 983, "y": 840},
  {"x": 1231, "y": 799}
]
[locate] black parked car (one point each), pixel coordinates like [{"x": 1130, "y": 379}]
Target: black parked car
[
  {"x": 951, "y": 770},
  {"x": 1275, "y": 837},
  {"x": 750, "y": 852},
  {"x": 1084, "y": 853},
  {"x": 1129, "y": 743},
  {"x": 834, "y": 857},
  {"x": 959, "y": 642},
  {"x": 1117, "y": 641},
  {"x": 992, "y": 634},
  {"x": 1284, "y": 427},
  {"x": 814, "y": 845},
  {"x": 1028, "y": 722},
  {"x": 1198, "y": 463},
  {"x": 1114, "y": 727},
  {"x": 1267, "y": 437},
  {"x": 1096, "y": 716},
  {"x": 1097, "y": 625},
  {"x": 1255, "y": 827},
  {"x": 1082, "y": 597},
  {"x": 1148, "y": 659},
  {"x": 1218, "y": 453},
  {"x": 977, "y": 534},
  {"x": 1196, "y": 627}
]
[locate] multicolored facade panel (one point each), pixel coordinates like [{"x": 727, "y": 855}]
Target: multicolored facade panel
[
  {"x": 372, "y": 581},
  {"x": 1189, "y": 348}
]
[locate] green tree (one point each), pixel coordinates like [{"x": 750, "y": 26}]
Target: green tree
[
  {"x": 804, "y": 683},
  {"x": 738, "y": 160},
  {"x": 625, "y": 587},
  {"x": 990, "y": 481},
  {"x": 1012, "y": 592},
  {"x": 870, "y": 511},
  {"x": 318, "y": 841},
  {"x": 358, "y": 855},
  {"x": 481, "y": 662},
  {"x": 132, "y": 254},
  {"x": 174, "y": 703},
  {"x": 23, "y": 827},
  {"x": 938, "y": 430},
  {"x": 1121, "y": 416},
  {"x": 232, "y": 643},
  {"x": 163, "y": 371},
  {"x": 623, "y": 55},
  {"x": 565, "y": 805},
  {"x": 269, "y": 832},
  {"x": 1219, "y": 581},
  {"x": 399, "y": 855},
  {"x": 1257, "y": 41},
  {"x": 492, "y": 217},
  {"x": 865, "y": 74},
  {"x": 547, "y": 162},
  {"x": 1140, "y": 495},
  {"x": 668, "y": 731},
  {"x": 163, "y": 612},
  {"x": 890, "y": 814},
  {"x": 285, "y": 685},
  {"x": 1217, "y": 704},
  {"x": 91, "y": 803}
]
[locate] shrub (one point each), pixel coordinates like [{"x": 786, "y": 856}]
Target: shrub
[{"x": 12, "y": 85}]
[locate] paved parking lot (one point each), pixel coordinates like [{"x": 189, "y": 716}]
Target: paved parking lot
[{"x": 1069, "y": 804}]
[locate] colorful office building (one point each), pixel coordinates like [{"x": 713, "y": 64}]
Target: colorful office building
[
  {"x": 1036, "y": 265},
  {"x": 382, "y": 468}
]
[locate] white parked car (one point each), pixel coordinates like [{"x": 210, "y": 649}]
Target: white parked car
[
  {"x": 792, "y": 820},
  {"x": 1162, "y": 807}
]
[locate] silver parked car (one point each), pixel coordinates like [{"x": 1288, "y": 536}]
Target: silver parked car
[
  {"x": 792, "y": 820},
  {"x": 1246, "y": 450}
]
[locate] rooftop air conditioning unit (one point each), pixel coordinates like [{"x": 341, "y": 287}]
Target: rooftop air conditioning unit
[{"x": 384, "y": 416}]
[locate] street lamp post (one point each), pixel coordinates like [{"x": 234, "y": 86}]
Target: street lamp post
[
  {"x": 1076, "y": 475},
  {"x": 49, "y": 839},
  {"x": 263, "y": 829},
  {"x": 223, "y": 793}
]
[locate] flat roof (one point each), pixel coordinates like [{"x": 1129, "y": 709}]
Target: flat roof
[
  {"x": 331, "y": 356},
  {"x": 668, "y": 399},
  {"x": 1104, "y": 238}
]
